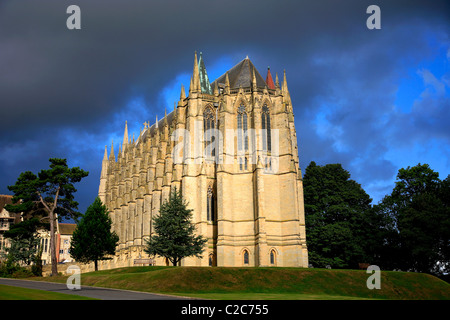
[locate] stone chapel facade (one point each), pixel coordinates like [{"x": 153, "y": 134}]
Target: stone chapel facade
[{"x": 230, "y": 146}]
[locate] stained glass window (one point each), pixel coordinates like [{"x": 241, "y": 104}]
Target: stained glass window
[
  {"x": 265, "y": 124},
  {"x": 208, "y": 127},
  {"x": 242, "y": 129}
]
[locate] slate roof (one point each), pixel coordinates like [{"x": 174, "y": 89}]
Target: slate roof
[{"x": 241, "y": 75}]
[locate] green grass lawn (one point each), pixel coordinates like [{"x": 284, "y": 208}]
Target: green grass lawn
[
  {"x": 267, "y": 283},
  {"x": 17, "y": 293}
]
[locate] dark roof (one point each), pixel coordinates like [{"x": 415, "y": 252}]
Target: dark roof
[
  {"x": 7, "y": 199},
  {"x": 241, "y": 75},
  {"x": 67, "y": 228},
  {"x": 4, "y": 200}
]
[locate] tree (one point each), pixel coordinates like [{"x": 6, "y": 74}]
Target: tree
[
  {"x": 174, "y": 236},
  {"x": 338, "y": 216},
  {"x": 24, "y": 240},
  {"x": 49, "y": 193},
  {"x": 93, "y": 240},
  {"x": 419, "y": 209}
]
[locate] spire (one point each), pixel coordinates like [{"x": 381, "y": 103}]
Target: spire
[
  {"x": 205, "y": 86},
  {"x": 195, "y": 80},
  {"x": 253, "y": 79},
  {"x": 105, "y": 156},
  {"x": 103, "y": 175},
  {"x": 156, "y": 121},
  {"x": 227, "y": 83},
  {"x": 111, "y": 154},
  {"x": 269, "y": 80},
  {"x": 277, "y": 85},
  {"x": 183, "y": 93},
  {"x": 125, "y": 135},
  {"x": 284, "y": 87},
  {"x": 191, "y": 86},
  {"x": 165, "y": 117}
]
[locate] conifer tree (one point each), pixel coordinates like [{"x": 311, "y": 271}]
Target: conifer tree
[
  {"x": 174, "y": 237},
  {"x": 48, "y": 194},
  {"x": 93, "y": 240}
]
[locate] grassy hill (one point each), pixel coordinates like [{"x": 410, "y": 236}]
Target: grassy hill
[{"x": 267, "y": 283}]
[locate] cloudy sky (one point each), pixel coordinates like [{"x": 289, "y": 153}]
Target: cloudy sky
[{"x": 373, "y": 100}]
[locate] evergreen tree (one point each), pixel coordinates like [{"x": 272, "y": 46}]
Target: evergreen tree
[
  {"x": 24, "y": 241},
  {"x": 49, "y": 193},
  {"x": 93, "y": 240},
  {"x": 174, "y": 236}
]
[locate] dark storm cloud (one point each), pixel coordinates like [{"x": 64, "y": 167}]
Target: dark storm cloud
[{"x": 67, "y": 93}]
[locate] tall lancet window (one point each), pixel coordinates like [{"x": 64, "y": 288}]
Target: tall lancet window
[
  {"x": 210, "y": 213},
  {"x": 208, "y": 127},
  {"x": 242, "y": 129},
  {"x": 265, "y": 122}
]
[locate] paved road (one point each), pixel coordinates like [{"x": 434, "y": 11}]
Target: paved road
[{"x": 93, "y": 292}]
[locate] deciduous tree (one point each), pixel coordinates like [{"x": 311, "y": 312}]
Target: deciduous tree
[{"x": 338, "y": 217}]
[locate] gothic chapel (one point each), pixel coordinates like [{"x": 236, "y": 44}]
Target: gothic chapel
[{"x": 230, "y": 146}]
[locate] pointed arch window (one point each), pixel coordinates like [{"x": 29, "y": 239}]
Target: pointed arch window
[
  {"x": 265, "y": 124},
  {"x": 210, "y": 212},
  {"x": 273, "y": 257},
  {"x": 242, "y": 129},
  {"x": 212, "y": 260},
  {"x": 208, "y": 129},
  {"x": 246, "y": 257}
]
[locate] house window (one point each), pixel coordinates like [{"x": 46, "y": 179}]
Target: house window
[{"x": 265, "y": 124}]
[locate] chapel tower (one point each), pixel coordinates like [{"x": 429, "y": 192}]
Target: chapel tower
[{"x": 230, "y": 146}]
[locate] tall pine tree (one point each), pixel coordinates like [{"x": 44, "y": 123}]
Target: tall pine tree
[
  {"x": 50, "y": 193},
  {"x": 174, "y": 237},
  {"x": 93, "y": 240}
]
